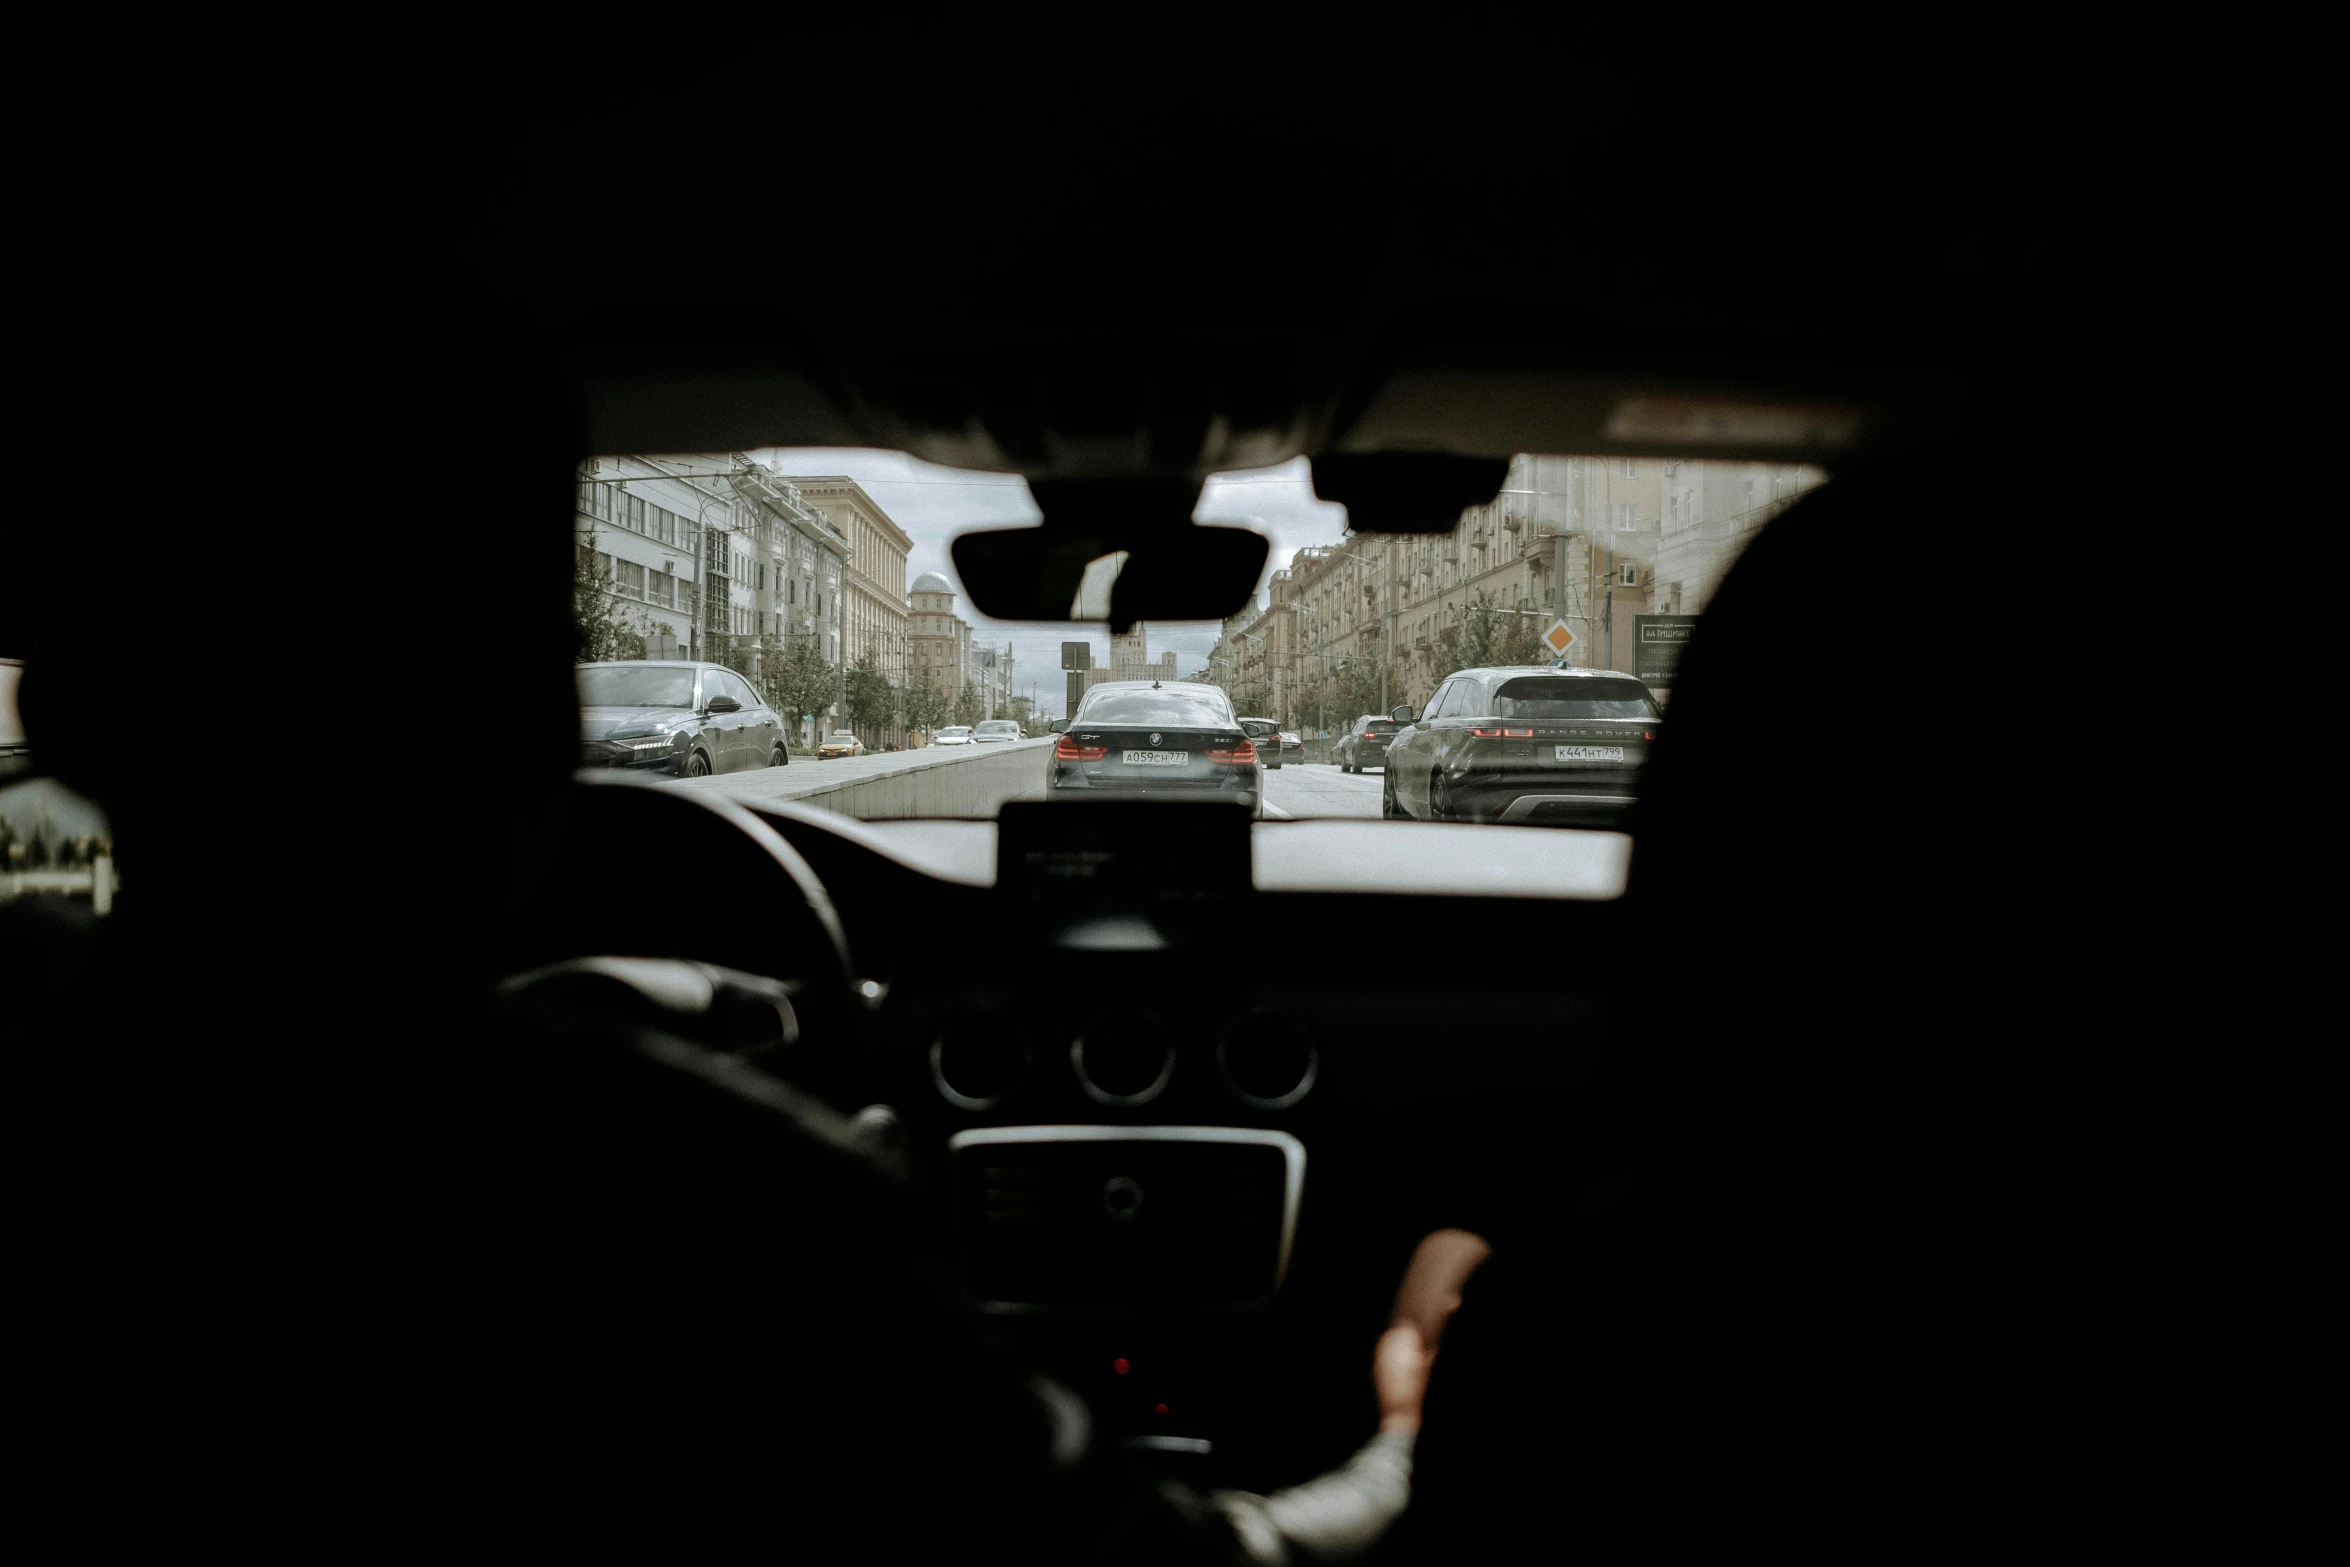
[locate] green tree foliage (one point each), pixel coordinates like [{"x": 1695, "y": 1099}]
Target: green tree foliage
[
  {"x": 797, "y": 680},
  {"x": 869, "y": 697},
  {"x": 966, "y": 709},
  {"x": 1519, "y": 641},
  {"x": 922, "y": 705},
  {"x": 608, "y": 625},
  {"x": 1351, "y": 691}
]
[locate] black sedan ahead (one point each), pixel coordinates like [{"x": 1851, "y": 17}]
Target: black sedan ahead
[
  {"x": 1533, "y": 744},
  {"x": 1146, "y": 740},
  {"x": 678, "y": 718},
  {"x": 1364, "y": 744}
]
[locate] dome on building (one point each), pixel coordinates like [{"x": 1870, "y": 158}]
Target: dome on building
[{"x": 931, "y": 582}]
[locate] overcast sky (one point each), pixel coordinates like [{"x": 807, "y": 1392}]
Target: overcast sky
[{"x": 933, "y": 504}]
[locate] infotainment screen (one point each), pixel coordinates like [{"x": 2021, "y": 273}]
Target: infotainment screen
[{"x": 1165, "y": 863}]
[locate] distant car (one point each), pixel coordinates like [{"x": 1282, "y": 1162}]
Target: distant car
[
  {"x": 1133, "y": 739},
  {"x": 1533, "y": 744},
  {"x": 953, "y": 734},
  {"x": 1365, "y": 743},
  {"x": 1262, "y": 733},
  {"x": 839, "y": 743},
  {"x": 680, "y": 718},
  {"x": 1290, "y": 742},
  {"x": 997, "y": 729}
]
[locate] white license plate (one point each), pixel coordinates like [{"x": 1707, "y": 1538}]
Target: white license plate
[
  {"x": 1158, "y": 758},
  {"x": 1590, "y": 753}
]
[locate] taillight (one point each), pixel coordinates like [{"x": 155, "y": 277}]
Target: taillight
[
  {"x": 1246, "y": 751},
  {"x": 1496, "y": 734},
  {"x": 1067, "y": 750},
  {"x": 1645, "y": 735}
]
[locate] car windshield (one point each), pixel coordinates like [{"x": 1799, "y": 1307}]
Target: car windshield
[
  {"x": 635, "y": 685},
  {"x": 1559, "y": 696},
  {"x": 825, "y": 579}
]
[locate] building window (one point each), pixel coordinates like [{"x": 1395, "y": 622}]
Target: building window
[
  {"x": 1631, "y": 468},
  {"x": 660, "y": 588},
  {"x": 1628, "y": 517},
  {"x": 629, "y": 579}
]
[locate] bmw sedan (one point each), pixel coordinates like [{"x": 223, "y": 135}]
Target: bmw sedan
[
  {"x": 683, "y": 719},
  {"x": 1150, "y": 740},
  {"x": 997, "y": 730},
  {"x": 1533, "y": 744}
]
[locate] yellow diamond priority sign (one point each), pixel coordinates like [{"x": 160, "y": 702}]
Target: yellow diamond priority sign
[{"x": 1558, "y": 638}]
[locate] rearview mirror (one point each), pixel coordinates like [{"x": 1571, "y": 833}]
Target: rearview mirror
[
  {"x": 725, "y": 704},
  {"x": 1401, "y": 712},
  {"x": 1113, "y": 573}
]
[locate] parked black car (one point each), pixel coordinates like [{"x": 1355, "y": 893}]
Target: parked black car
[
  {"x": 1134, "y": 739},
  {"x": 661, "y": 716},
  {"x": 1364, "y": 744},
  {"x": 1553, "y": 747},
  {"x": 1265, "y": 734}
]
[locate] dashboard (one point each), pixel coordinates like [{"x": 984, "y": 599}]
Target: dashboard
[{"x": 1180, "y": 1114}]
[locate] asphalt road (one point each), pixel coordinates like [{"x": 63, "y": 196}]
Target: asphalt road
[{"x": 1319, "y": 789}]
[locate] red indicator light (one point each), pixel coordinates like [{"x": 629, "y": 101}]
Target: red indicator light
[
  {"x": 1158, "y": 1409},
  {"x": 1121, "y": 1365}
]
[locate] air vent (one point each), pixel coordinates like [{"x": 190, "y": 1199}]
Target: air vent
[
  {"x": 977, "y": 1061},
  {"x": 1123, "y": 1058},
  {"x": 1267, "y": 1061}
]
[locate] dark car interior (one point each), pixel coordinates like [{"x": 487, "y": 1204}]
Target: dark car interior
[{"x": 498, "y": 1205}]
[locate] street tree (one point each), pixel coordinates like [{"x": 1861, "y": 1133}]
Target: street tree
[
  {"x": 797, "y": 680},
  {"x": 608, "y": 626},
  {"x": 1519, "y": 641},
  {"x": 869, "y": 697},
  {"x": 922, "y": 705},
  {"x": 967, "y": 705}
]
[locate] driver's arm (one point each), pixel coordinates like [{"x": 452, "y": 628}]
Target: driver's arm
[{"x": 1343, "y": 1513}]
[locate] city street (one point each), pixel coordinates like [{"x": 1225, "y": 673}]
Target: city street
[{"x": 1319, "y": 789}]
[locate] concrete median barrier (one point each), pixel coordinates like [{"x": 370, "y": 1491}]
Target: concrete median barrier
[{"x": 939, "y": 780}]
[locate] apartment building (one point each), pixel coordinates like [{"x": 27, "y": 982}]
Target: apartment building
[
  {"x": 644, "y": 520},
  {"x": 877, "y": 615},
  {"x": 940, "y": 639},
  {"x": 1130, "y": 659},
  {"x": 1596, "y": 542}
]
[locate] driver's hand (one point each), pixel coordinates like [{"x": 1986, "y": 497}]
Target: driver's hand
[
  {"x": 1430, "y": 1294},
  {"x": 1399, "y": 1370}
]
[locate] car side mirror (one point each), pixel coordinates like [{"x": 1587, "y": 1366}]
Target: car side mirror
[
  {"x": 725, "y": 704},
  {"x": 1402, "y": 713},
  {"x": 1257, "y": 731},
  {"x": 1059, "y": 726}
]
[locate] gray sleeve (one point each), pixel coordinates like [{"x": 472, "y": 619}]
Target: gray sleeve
[{"x": 1336, "y": 1516}]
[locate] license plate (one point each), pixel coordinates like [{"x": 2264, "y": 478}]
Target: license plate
[
  {"x": 1158, "y": 758},
  {"x": 1590, "y": 753}
]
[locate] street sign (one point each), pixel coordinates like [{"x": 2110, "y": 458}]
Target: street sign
[
  {"x": 1657, "y": 641},
  {"x": 1077, "y": 655},
  {"x": 1558, "y": 638}
]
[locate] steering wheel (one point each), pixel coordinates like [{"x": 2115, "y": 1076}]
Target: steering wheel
[{"x": 624, "y": 867}]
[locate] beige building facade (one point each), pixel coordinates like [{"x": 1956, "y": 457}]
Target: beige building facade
[
  {"x": 876, "y": 612},
  {"x": 1595, "y": 542}
]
